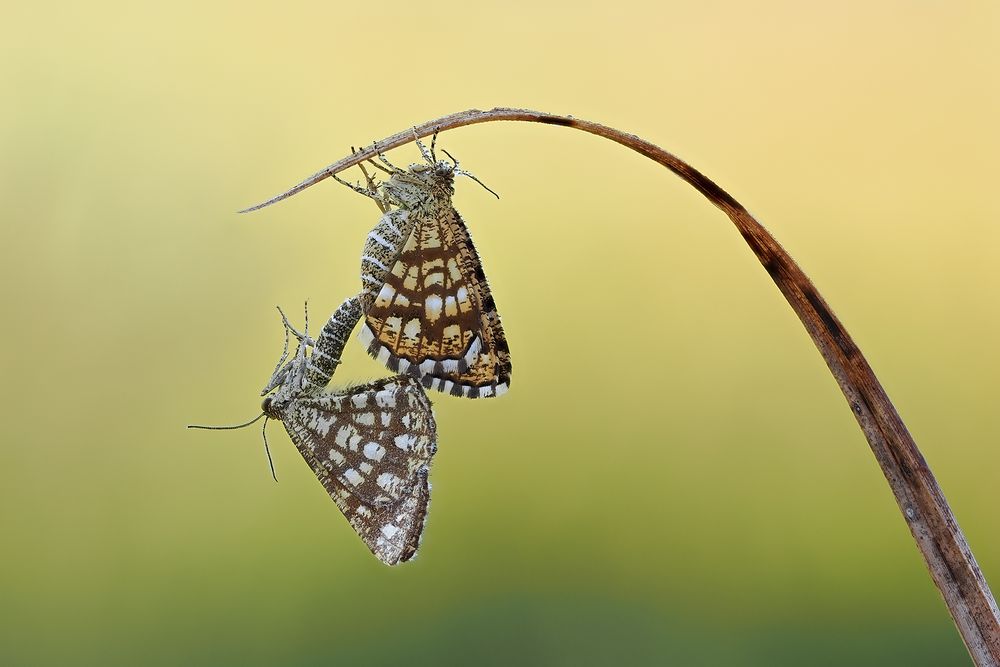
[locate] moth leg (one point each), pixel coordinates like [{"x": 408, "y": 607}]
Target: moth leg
[
  {"x": 428, "y": 155},
  {"x": 372, "y": 187},
  {"x": 289, "y": 372},
  {"x": 357, "y": 188},
  {"x": 384, "y": 160},
  {"x": 284, "y": 357},
  {"x": 371, "y": 192},
  {"x": 280, "y": 370},
  {"x": 288, "y": 326},
  {"x": 371, "y": 182},
  {"x": 380, "y": 167}
]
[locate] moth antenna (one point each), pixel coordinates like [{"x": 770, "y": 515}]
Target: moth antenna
[
  {"x": 434, "y": 140},
  {"x": 267, "y": 450},
  {"x": 452, "y": 159},
  {"x": 460, "y": 172},
  {"x": 228, "y": 428},
  {"x": 305, "y": 308}
]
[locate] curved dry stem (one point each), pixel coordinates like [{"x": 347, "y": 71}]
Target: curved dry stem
[{"x": 946, "y": 552}]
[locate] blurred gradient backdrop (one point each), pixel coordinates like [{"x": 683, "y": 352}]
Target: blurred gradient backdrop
[{"x": 674, "y": 477}]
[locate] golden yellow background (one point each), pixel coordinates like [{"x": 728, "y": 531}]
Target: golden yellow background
[{"x": 674, "y": 477}]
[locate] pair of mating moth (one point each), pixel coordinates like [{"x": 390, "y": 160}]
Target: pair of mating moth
[{"x": 428, "y": 316}]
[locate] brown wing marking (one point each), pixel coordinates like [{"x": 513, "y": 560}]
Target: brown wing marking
[
  {"x": 371, "y": 448},
  {"x": 435, "y": 317}
]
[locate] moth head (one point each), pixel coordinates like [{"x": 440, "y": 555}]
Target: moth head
[
  {"x": 421, "y": 184},
  {"x": 272, "y": 407}
]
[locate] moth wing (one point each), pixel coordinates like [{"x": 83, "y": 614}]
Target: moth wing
[
  {"x": 435, "y": 317},
  {"x": 371, "y": 447}
]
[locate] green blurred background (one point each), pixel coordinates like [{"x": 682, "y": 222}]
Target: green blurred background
[{"x": 674, "y": 477}]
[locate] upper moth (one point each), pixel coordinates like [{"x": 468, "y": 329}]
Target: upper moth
[{"x": 427, "y": 306}]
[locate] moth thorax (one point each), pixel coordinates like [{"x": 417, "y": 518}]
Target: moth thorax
[{"x": 420, "y": 187}]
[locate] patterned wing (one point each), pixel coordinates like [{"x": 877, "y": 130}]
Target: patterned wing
[
  {"x": 371, "y": 448},
  {"x": 434, "y": 316}
]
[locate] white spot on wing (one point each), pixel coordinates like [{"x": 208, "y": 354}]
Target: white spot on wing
[
  {"x": 343, "y": 435},
  {"x": 474, "y": 347},
  {"x": 412, "y": 329},
  {"x": 385, "y": 295},
  {"x": 389, "y": 482},
  {"x": 387, "y": 397},
  {"x": 433, "y": 305},
  {"x": 374, "y": 451},
  {"x": 462, "y": 295},
  {"x": 365, "y": 335},
  {"x": 383, "y": 355},
  {"x": 404, "y": 441}
]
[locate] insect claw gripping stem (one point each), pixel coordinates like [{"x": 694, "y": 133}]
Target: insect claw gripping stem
[{"x": 371, "y": 191}]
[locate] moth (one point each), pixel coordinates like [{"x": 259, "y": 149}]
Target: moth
[
  {"x": 369, "y": 445},
  {"x": 427, "y": 307}
]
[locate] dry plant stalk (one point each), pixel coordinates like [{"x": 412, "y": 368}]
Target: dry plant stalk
[{"x": 945, "y": 550}]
